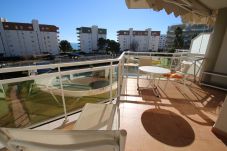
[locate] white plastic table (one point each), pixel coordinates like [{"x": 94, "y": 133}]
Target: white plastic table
[{"x": 154, "y": 71}]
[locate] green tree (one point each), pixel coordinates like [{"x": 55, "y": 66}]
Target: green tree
[
  {"x": 112, "y": 46},
  {"x": 179, "y": 40},
  {"x": 101, "y": 43},
  {"x": 65, "y": 46}
]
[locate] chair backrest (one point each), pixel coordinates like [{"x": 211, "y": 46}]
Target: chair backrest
[
  {"x": 96, "y": 117},
  {"x": 131, "y": 59},
  {"x": 52, "y": 140},
  {"x": 185, "y": 66},
  {"x": 145, "y": 61}
]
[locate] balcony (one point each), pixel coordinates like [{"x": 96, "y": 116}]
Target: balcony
[{"x": 51, "y": 97}]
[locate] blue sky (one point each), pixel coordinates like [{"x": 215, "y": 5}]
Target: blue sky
[{"x": 70, "y": 14}]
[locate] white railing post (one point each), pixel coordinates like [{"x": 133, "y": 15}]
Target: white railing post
[
  {"x": 119, "y": 78},
  {"x": 62, "y": 94},
  {"x": 111, "y": 81},
  {"x": 126, "y": 80}
]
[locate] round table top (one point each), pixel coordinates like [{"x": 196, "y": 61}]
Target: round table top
[{"x": 154, "y": 69}]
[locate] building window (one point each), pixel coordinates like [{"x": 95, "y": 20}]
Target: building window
[
  {"x": 16, "y": 27},
  {"x": 6, "y": 26}
]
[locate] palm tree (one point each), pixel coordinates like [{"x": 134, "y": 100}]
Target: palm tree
[{"x": 178, "y": 41}]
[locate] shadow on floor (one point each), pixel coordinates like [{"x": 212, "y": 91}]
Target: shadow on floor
[
  {"x": 222, "y": 138},
  {"x": 167, "y": 127}
]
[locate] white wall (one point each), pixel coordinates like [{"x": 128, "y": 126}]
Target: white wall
[{"x": 199, "y": 43}]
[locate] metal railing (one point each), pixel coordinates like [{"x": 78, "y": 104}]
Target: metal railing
[{"x": 60, "y": 70}]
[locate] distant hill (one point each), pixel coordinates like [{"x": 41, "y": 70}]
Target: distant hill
[{"x": 74, "y": 45}]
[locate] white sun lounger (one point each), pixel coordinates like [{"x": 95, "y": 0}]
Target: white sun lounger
[
  {"x": 93, "y": 131},
  {"x": 59, "y": 140}
]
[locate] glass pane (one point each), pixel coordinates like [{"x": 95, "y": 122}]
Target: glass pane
[
  {"x": 88, "y": 87},
  {"x": 25, "y": 103}
]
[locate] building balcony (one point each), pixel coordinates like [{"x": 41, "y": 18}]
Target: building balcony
[{"x": 51, "y": 96}]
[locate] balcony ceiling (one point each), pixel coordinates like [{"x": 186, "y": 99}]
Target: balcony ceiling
[
  {"x": 215, "y": 4},
  {"x": 191, "y": 11}
]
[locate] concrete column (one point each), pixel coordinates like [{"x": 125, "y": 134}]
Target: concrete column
[
  {"x": 216, "y": 53},
  {"x": 149, "y": 40},
  {"x": 131, "y": 36},
  {"x": 3, "y": 41},
  {"x": 216, "y": 40},
  {"x": 220, "y": 126},
  {"x": 94, "y": 37},
  {"x": 37, "y": 34}
]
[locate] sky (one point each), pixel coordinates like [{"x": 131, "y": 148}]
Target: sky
[{"x": 71, "y": 14}]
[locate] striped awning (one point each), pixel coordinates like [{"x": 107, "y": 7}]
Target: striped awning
[{"x": 191, "y": 11}]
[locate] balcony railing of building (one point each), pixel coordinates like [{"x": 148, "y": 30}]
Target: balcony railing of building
[{"x": 39, "y": 94}]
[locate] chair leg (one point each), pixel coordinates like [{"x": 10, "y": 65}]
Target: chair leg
[
  {"x": 166, "y": 83},
  {"x": 137, "y": 80},
  {"x": 158, "y": 80},
  {"x": 184, "y": 82}
]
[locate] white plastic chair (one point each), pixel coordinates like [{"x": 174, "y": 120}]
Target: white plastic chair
[
  {"x": 144, "y": 61},
  {"x": 180, "y": 74}
]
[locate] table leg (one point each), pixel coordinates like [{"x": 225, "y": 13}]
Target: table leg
[
  {"x": 154, "y": 86},
  {"x": 151, "y": 83}
]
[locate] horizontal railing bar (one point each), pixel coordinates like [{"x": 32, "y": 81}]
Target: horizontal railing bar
[
  {"x": 177, "y": 53},
  {"x": 158, "y": 56},
  {"x": 86, "y": 70},
  {"x": 21, "y": 79},
  {"x": 36, "y": 67}
]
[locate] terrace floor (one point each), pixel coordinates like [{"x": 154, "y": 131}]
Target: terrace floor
[{"x": 181, "y": 119}]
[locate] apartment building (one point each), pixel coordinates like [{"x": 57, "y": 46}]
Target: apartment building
[
  {"x": 27, "y": 39},
  {"x": 188, "y": 31},
  {"x": 162, "y": 42},
  {"x": 136, "y": 40},
  {"x": 88, "y": 37}
]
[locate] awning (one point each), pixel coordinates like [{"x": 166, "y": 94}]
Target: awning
[{"x": 191, "y": 11}]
